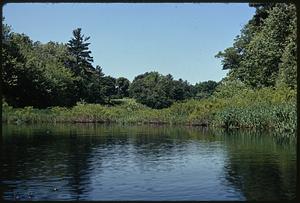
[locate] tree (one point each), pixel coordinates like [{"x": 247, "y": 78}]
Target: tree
[
  {"x": 80, "y": 64},
  {"x": 35, "y": 74},
  {"x": 263, "y": 54},
  {"x": 205, "y": 89},
  {"x": 51, "y": 74},
  {"x": 265, "y": 51},
  {"x": 122, "y": 86},
  {"x": 93, "y": 86},
  {"x": 23, "y": 79},
  {"x": 288, "y": 65},
  {"x": 12, "y": 64},
  {"x": 108, "y": 88},
  {"x": 181, "y": 90},
  {"x": 146, "y": 89},
  {"x": 78, "y": 47},
  {"x": 159, "y": 91},
  {"x": 60, "y": 81}
]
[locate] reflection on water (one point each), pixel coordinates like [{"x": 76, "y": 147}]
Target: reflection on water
[{"x": 111, "y": 162}]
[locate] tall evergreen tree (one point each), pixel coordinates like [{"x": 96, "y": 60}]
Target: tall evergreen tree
[
  {"x": 78, "y": 47},
  {"x": 80, "y": 64}
]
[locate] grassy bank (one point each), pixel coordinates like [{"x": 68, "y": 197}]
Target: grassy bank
[{"x": 266, "y": 108}]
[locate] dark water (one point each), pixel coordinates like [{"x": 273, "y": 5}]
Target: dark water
[{"x": 109, "y": 162}]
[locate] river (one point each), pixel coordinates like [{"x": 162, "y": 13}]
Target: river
[{"x": 115, "y": 162}]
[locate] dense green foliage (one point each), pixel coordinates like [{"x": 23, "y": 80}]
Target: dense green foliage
[
  {"x": 265, "y": 53},
  {"x": 159, "y": 91},
  {"x": 205, "y": 89},
  {"x": 52, "y": 74},
  {"x": 266, "y": 108},
  {"x": 122, "y": 86},
  {"x": 34, "y": 74}
]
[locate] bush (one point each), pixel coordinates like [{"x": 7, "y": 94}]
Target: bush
[{"x": 266, "y": 108}]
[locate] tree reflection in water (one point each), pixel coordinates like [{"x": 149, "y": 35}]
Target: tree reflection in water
[
  {"x": 261, "y": 166},
  {"x": 94, "y": 162}
]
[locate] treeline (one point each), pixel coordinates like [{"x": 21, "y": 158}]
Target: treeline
[
  {"x": 53, "y": 74},
  {"x": 231, "y": 106},
  {"x": 58, "y": 74},
  {"x": 159, "y": 91}
]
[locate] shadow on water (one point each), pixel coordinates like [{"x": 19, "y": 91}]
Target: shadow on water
[{"x": 115, "y": 162}]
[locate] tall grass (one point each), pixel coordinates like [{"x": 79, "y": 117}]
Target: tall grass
[{"x": 266, "y": 108}]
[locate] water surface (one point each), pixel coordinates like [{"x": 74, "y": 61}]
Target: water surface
[{"x": 113, "y": 162}]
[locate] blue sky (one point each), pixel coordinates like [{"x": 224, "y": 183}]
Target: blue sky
[{"x": 130, "y": 39}]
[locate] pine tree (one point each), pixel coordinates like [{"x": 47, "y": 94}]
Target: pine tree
[{"x": 78, "y": 47}]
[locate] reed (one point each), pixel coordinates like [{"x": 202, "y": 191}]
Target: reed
[{"x": 261, "y": 109}]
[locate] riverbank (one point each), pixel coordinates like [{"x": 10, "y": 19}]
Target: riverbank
[{"x": 263, "y": 109}]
